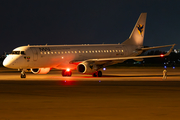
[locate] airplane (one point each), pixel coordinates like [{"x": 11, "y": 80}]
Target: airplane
[{"x": 86, "y": 58}]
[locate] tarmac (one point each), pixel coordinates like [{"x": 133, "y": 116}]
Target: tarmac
[{"x": 120, "y": 94}]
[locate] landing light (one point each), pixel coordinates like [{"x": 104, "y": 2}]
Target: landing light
[
  {"x": 104, "y": 68},
  {"x": 165, "y": 67}
]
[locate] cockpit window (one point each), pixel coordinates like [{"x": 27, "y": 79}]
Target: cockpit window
[
  {"x": 18, "y": 52},
  {"x": 22, "y": 53}
]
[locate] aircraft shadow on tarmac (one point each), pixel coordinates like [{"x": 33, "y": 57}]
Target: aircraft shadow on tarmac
[
  {"x": 136, "y": 75},
  {"x": 9, "y": 71},
  {"x": 13, "y": 71}
]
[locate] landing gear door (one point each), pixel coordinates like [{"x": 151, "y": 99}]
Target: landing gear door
[{"x": 35, "y": 54}]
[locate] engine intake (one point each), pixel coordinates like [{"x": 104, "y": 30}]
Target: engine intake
[
  {"x": 40, "y": 70},
  {"x": 87, "y": 67}
]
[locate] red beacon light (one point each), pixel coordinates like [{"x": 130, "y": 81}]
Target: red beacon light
[
  {"x": 162, "y": 55},
  {"x": 67, "y": 72},
  {"x": 67, "y": 69}
]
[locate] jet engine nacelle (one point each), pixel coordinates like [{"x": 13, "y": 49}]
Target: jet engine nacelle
[
  {"x": 40, "y": 70},
  {"x": 87, "y": 67}
]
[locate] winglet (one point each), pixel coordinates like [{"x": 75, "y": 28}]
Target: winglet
[{"x": 170, "y": 50}]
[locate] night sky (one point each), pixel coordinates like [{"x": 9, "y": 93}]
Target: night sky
[{"x": 59, "y": 22}]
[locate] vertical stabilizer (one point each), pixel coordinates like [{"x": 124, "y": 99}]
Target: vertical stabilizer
[{"x": 137, "y": 35}]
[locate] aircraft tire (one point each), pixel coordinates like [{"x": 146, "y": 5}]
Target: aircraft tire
[
  {"x": 99, "y": 74},
  {"x": 64, "y": 73},
  {"x": 70, "y": 73},
  {"x": 23, "y": 75},
  {"x": 94, "y": 74}
]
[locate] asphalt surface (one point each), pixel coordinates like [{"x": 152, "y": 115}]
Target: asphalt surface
[{"x": 121, "y": 94}]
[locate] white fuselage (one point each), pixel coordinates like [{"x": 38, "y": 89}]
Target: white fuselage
[
  {"x": 64, "y": 56},
  {"x": 87, "y": 59}
]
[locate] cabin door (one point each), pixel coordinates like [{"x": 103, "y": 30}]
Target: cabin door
[{"x": 35, "y": 54}]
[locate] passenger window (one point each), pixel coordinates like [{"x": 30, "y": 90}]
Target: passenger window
[
  {"x": 58, "y": 52},
  {"x": 48, "y": 53},
  {"x": 122, "y": 50},
  {"x": 89, "y": 51}
]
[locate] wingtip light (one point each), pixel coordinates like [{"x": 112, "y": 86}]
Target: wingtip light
[{"x": 162, "y": 55}]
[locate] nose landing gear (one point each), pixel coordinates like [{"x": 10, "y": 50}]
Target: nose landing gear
[{"x": 23, "y": 75}]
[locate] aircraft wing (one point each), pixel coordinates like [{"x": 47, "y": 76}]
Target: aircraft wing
[
  {"x": 149, "y": 48},
  {"x": 132, "y": 57}
]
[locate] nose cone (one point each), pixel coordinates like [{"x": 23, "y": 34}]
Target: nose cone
[
  {"x": 13, "y": 61},
  {"x": 10, "y": 61},
  {"x": 6, "y": 62}
]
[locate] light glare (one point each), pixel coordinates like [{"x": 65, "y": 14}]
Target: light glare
[{"x": 67, "y": 69}]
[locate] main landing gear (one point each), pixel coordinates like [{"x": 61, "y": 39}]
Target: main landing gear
[
  {"x": 66, "y": 73},
  {"x": 97, "y": 74},
  {"x": 23, "y": 75}
]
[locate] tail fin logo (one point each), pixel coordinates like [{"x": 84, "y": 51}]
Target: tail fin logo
[{"x": 140, "y": 29}]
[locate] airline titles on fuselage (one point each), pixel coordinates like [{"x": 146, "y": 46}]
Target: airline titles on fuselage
[{"x": 42, "y": 49}]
